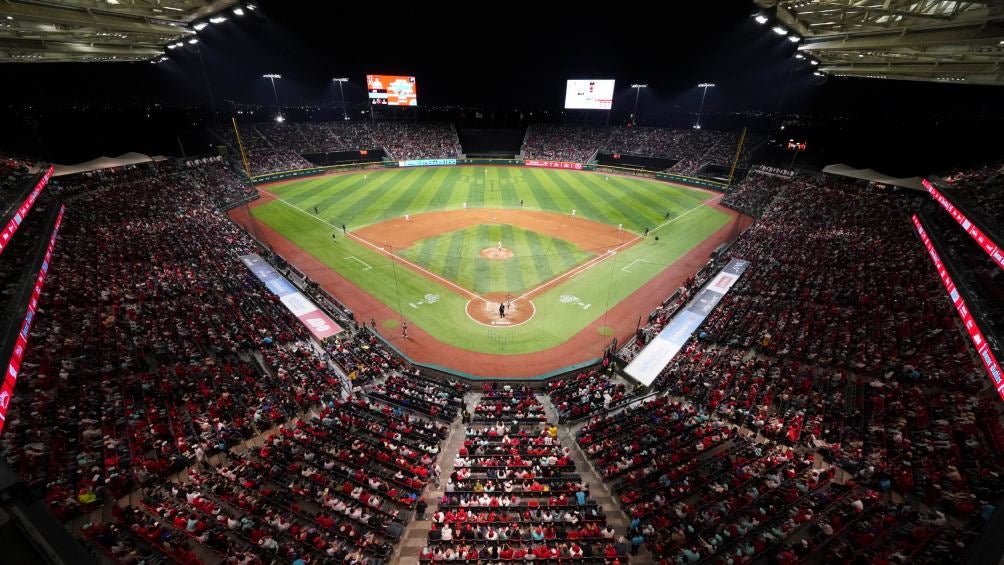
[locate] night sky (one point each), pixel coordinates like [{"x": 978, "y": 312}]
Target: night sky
[{"x": 505, "y": 57}]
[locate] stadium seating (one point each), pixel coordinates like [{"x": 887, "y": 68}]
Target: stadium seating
[
  {"x": 514, "y": 495},
  {"x": 584, "y": 394},
  {"x": 13, "y": 174},
  {"x": 273, "y": 147},
  {"x": 692, "y": 148},
  {"x": 156, "y": 344},
  {"x": 983, "y": 188},
  {"x": 827, "y": 344},
  {"x": 511, "y": 403}
]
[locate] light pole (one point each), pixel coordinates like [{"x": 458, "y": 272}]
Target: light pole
[
  {"x": 345, "y": 113},
  {"x": 637, "y": 90},
  {"x": 278, "y": 108},
  {"x": 705, "y": 86}
]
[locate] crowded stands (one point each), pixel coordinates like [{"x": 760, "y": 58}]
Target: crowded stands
[
  {"x": 827, "y": 408},
  {"x": 514, "y": 495},
  {"x": 585, "y": 393},
  {"x": 692, "y": 148},
  {"x": 274, "y": 147},
  {"x": 982, "y": 188}
]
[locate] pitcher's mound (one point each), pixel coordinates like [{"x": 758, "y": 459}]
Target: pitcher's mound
[
  {"x": 496, "y": 254},
  {"x": 487, "y": 311}
]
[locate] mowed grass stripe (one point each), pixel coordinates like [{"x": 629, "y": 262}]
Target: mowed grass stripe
[
  {"x": 482, "y": 267},
  {"x": 538, "y": 251},
  {"x": 350, "y": 206},
  {"x": 380, "y": 204},
  {"x": 636, "y": 210},
  {"x": 329, "y": 195},
  {"x": 583, "y": 202},
  {"x": 513, "y": 267},
  {"x": 453, "y": 258},
  {"x": 403, "y": 204},
  {"x": 557, "y": 199},
  {"x": 670, "y": 198},
  {"x": 544, "y": 197},
  {"x": 443, "y": 193},
  {"x": 563, "y": 258}
]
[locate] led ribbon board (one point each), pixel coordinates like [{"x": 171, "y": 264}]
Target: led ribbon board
[
  {"x": 8, "y": 232},
  {"x": 982, "y": 347},
  {"x": 995, "y": 251},
  {"x": 14, "y": 364}
]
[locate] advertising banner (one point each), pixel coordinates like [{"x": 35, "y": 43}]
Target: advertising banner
[
  {"x": 299, "y": 305},
  {"x": 661, "y": 350},
  {"x": 22, "y": 211}
]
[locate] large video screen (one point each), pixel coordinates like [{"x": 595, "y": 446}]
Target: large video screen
[
  {"x": 390, "y": 90},
  {"x": 589, "y": 94}
]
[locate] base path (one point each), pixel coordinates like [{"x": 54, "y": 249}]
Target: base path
[
  {"x": 588, "y": 344},
  {"x": 585, "y": 234}
]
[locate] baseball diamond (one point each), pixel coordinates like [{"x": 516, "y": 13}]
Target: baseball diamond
[{"x": 423, "y": 245}]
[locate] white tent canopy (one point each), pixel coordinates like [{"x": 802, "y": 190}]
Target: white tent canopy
[
  {"x": 106, "y": 163},
  {"x": 843, "y": 170}
]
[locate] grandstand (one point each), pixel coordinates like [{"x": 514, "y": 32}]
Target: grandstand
[{"x": 400, "y": 335}]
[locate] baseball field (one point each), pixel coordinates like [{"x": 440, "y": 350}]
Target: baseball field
[{"x": 440, "y": 249}]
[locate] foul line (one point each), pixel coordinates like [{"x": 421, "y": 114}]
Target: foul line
[
  {"x": 382, "y": 250},
  {"x": 611, "y": 252}
]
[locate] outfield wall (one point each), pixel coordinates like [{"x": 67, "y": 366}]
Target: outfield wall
[{"x": 627, "y": 171}]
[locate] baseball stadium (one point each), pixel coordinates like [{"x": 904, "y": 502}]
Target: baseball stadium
[{"x": 290, "y": 283}]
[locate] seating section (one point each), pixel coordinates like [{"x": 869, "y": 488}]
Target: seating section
[
  {"x": 693, "y": 148},
  {"x": 509, "y": 403},
  {"x": 156, "y": 343},
  {"x": 14, "y": 173},
  {"x": 439, "y": 399},
  {"x": 839, "y": 340},
  {"x": 514, "y": 495},
  {"x": 585, "y": 393},
  {"x": 983, "y": 189},
  {"x": 273, "y": 147},
  {"x": 756, "y": 191}
]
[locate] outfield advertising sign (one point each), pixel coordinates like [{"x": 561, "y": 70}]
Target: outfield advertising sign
[
  {"x": 553, "y": 164},
  {"x": 299, "y": 305},
  {"x": 661, "y": 350},
  {"x": 990, "y": 363},
  {"x": 427, "y": 163}
]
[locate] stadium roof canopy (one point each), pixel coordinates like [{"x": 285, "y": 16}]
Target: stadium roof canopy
[
  {"x": 51, "y": 31},
  {"x": 920, "y": 40}
]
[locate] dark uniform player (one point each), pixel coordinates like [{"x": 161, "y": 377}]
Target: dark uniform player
[{"x": 501, "y": 310}]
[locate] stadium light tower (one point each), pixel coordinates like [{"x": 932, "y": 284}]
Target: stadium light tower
[
  {"x": 705, "y": 86},
  {"x": 637, "y": 90},
  {"x": 345, "y": 113},
  {"x": 278, "y": 108}
]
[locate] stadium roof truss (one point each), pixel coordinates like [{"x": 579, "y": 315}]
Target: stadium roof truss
[
  {"x": 56, "y": 31},
  {"x": 920, "y": 40}
]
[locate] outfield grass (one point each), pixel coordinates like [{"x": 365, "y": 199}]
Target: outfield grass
[
  {"x": 361, "y": 199},
  {"x": 357, "y": 201},
  {"x": 457, "y": 256}
]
